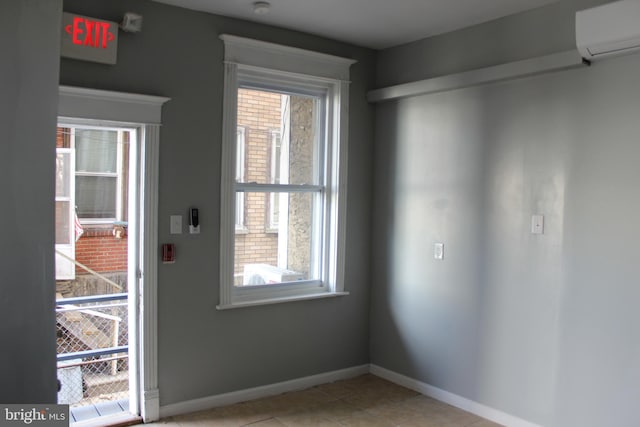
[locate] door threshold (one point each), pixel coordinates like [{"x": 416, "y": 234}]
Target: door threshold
[{"x": 116, "y": 420}]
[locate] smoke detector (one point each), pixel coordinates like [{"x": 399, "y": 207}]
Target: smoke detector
[{"x": 261, "y": 7}]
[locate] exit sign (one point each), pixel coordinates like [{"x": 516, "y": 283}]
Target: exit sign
[{"x": 89, "y": 39}]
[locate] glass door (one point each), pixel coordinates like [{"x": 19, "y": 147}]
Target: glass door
[{"x": 93, "y": 312}]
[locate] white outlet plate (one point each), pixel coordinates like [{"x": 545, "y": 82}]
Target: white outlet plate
[
  {"x": 537, "y": 224},
  {"x": 175, "y": 224},
  {"x": 438, "y": 251}
]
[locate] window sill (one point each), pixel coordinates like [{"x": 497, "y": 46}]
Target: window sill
[{"x": 280, "y": 300}]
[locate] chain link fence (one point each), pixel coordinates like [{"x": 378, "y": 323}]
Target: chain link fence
[{"x": 92, "y": 341}]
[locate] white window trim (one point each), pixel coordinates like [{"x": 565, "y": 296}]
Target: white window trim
[{"x": 302, "y": 67}]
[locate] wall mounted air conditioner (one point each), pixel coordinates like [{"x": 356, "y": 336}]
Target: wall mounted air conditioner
[
  {"x": 264, "y": 274},
  {"x": 607, "y": 30}
]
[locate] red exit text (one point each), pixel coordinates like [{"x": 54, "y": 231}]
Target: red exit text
[{"x": 86, "y": 32}]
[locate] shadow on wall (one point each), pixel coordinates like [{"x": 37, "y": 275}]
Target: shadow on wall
[{"x": 465, "y": 169}]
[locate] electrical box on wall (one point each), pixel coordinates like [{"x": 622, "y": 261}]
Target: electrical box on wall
[{"x": 537, "y": 224}]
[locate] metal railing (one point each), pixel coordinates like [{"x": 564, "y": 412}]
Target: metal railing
[{"x": 93, "y": 351}]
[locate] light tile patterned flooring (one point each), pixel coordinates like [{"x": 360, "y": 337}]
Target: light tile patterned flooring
[{"x": 366, "y": 401}]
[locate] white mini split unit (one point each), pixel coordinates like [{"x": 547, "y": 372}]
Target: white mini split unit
[{"x": 608, "y": 30}]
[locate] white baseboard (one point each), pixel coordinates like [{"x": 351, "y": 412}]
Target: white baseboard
[
  {"x": 151, "y": 406},
  {"x": 342, "y": 374},
  {"x": 452, "y": 399},
  {"x": 259, "y": 392}
]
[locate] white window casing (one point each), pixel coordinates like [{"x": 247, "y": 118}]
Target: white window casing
[{"x": 283, "y": 68}]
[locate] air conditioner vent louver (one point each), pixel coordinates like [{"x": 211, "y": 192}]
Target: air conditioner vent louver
[
  {"x": 608, "y": 30},
  {"x": 615, "y": 47}
]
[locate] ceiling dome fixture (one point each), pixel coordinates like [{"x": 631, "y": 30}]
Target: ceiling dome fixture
[{"x": 261, "y": 7}]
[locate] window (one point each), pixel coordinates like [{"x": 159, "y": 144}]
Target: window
[
  {"x": 100, "y": 165},
  {"x": 287, "y": 173},
  {"x": 91, "y": 190}
]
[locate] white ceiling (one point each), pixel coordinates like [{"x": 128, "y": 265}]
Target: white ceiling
[{"x": 377, "y": 24}]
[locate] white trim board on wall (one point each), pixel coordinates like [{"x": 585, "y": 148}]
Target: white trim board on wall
[
  {"x": 343, "y": 374},
  {"x": 259, "y": 392},
  {"x": 107, "y": 105},
  {"x": 512, "y": 70}
]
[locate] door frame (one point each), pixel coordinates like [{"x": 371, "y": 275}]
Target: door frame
[{"x": 143, "y": 112}]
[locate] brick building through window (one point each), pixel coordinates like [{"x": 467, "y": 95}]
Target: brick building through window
[
  {"x": 91, "y": 199},
  {"x": 275, "y": 144}
]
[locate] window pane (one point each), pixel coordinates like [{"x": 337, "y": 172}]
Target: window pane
[
  {"x": 63, "y": 219},
  {"x": 266, "y": 256},
  {"x": 96, "y": 196},
  {"x": 239, "y": 210},
  {"x": 96, "y": 151},
  {"x": 63, "y": 138},
  {"x": 63, "y": 174},
  {"x": 281, "y": 134},
  {"x": 275, "y": 200}
]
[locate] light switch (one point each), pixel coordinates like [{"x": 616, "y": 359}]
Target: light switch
[
  {"x": 537, "y": 224},
  {"x": 175, "y": 224},
  {"x": 438, "y": 251}
]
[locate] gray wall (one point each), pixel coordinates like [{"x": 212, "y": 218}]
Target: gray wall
[
  {"x": 28, "y": 103},
  {"x": 203, "y": 351},
  {"x": 538, "y": 32},
  {"x": 543, "y": 327}
]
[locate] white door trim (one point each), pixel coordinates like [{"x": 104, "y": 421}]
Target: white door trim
[
  {"x": 95, "y": 104},
  {"x": 143, "y": 112}
]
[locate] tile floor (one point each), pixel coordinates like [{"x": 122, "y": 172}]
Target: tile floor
[{"x": 366, "y": 401}]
